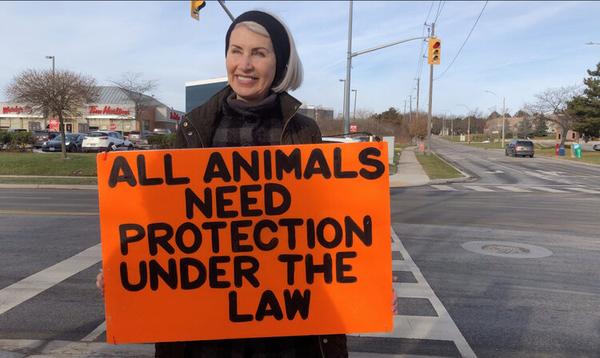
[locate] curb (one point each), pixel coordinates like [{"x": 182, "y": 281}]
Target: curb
[
  {"x": 467, "y": 177},
  {"x": 49, "y": 186}
]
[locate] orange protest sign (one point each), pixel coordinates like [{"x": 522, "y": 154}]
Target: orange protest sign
[{"x": 202, "y": 244}]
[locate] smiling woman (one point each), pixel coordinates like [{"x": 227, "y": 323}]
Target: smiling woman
[{"x": 253, "y": 110}]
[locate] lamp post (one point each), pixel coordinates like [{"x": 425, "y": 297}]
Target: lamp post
[
  {"x": 51, "y": 57},
  {"x": 503, "y": 113},
  {"x": 468, "y": 123},
  {"x": 350, "y": 54}
]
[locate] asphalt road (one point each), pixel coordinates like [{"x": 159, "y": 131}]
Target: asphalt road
[
  {"x": 508, "y": 262},
  {"x": 504, "y": 303}
]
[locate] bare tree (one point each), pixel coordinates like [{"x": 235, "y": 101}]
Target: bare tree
[
  {"x": 551, "y": 105},
  {"x": 137, "y": 90},
  {"x": 61, "y": 93}
]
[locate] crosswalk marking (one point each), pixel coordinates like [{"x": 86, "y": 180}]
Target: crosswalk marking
[
  {"x": 583, "y": 190},
  {"x": 37, "y": 283},
  {"x": 95, "y": 333},
  {"x": 444, "y": 187},
  {"x": 514, "y": 189},
  {"x": 441, "y": 327},
  {"x": 478, "y": 188},
  {"x": 549, "y": 190}
]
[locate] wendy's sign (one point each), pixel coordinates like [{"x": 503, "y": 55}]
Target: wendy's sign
[{"x": 245, "y": 242}]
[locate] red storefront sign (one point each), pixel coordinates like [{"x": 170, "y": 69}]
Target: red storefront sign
[
  {"x": 118, "y": 111},
  {"x": 15, "y": 109},
  {"x": 174, "y": 116},
  {"x": 53, "y": 124}
]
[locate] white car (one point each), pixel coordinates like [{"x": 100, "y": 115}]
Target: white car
[{"x": 105, "y": 141}]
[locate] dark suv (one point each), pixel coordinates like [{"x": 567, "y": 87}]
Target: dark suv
[{"x": 520, "y": 147}]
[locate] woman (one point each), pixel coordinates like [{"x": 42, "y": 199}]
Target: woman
[{"x": 254, "y": 110}]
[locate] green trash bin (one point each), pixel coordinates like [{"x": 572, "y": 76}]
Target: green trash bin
[{"x": 577, "y": 148}]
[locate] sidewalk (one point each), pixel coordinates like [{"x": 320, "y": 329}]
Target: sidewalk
[{"x": 410, "y": 172}]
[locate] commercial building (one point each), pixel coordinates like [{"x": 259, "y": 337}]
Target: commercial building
[
  {"x": 198, "y": 92},
  {"x": 114, "y": 110}
]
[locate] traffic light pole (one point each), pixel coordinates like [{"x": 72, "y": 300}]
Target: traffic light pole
[
  {"x": 428, "y": 144},
  {"x": 222, "y": 3}
]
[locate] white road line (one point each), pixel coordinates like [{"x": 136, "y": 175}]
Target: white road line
[
  {"x": 514, "y": 189},
  {"x": 444, "y": 187},
  {"x": 550, "y": 190},
  {"x": 478, "y": 188},
  {"x": 95, "y": 333},
  {"x": 417, "y": 327},
  {"x": 37, "y": 283},
  {"x": 583, "y": 190}
]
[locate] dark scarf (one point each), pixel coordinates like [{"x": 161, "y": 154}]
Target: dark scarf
[{"x": 244, "y": 125}]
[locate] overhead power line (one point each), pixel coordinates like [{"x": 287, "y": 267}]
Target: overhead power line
[
  {"x": 463, "y": 44},
  {"x": 439, "y": 10},
  {"x": 420, "y": 58}
]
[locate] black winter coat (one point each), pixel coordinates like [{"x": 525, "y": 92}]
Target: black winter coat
[
  {"x": 196, "y": 130},
  {"x": 197, "y": 127}
]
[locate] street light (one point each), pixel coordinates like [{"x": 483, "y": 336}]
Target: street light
[
  {"x": 503, "y": 113},
  {"x": 52, "y": 58},
  {"x": 468, "y": 123},
  {"x": 350, "y": 55},
  {"x": 592, "y": 43}
]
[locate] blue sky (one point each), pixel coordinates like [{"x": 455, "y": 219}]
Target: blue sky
[{"x": 518, "y": 49}]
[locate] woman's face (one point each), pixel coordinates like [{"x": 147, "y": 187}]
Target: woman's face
[{"x": 250, "y": 64}]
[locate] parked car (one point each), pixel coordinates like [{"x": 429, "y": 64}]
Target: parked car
[
  {"x": 105, "y": 141},
  {"x": 161, "y": 131},
  {"x": 351, "y": 139},
  {"x": 519, "y": 147},
  {"x": 39, "y": 137},
  {"x": 73, "y": 143},
  {"x": 136, "y": 139}
]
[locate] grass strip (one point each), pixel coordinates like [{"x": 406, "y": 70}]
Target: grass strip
[
  {"x": 78, "y": 164},
  {"x": 586, "y": 157},
  {"x": 55, "y": 181},
  {"x": 436, "y": 168}
]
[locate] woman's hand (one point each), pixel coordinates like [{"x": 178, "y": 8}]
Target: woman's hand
[
  {"x": 394, "y": 302},
  {"x": 100, "y": 282}
]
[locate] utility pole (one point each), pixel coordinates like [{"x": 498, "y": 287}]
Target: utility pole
[
  {"x": 428, "y": 148},
  {"x": 503, "y": 118},
  {"x": 418, "y": 91},
  {"x": 404, "y": 114},
  {"x": 444, "y": 125},
  {"x": 410, "y": 107},
  {"x": 348, "y": 67}
]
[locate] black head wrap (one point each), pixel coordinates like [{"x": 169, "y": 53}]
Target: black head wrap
[{"x": 279, "y": 39}]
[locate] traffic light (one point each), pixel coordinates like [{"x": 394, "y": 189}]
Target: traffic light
[
  {"x": 435, "y": 46},
  {"x": 196, "y": 6}
]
